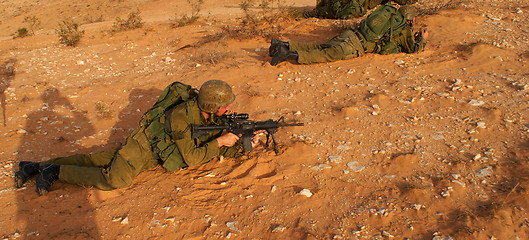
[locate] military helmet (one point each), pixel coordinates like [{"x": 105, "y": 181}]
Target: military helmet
[
  {"x": 408, "y": 12},
  {"x": 214, "y": 94}
]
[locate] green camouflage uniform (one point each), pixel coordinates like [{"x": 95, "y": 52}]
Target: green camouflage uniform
[
  {"x": 347, "y": 9},
  {"x": 352, "y": 43},
  {"x": 116, "y": 168}
]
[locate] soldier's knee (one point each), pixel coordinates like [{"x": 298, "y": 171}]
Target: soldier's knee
[{"x": 120, "y": 181}]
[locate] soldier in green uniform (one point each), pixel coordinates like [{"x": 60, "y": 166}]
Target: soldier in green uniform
[
  {"x": 385, "y": 31},
  {"x": 347, "y": 9},
  {"x": 142, "y": 150}
]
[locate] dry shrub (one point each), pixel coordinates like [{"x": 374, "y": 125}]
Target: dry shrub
[
  {"x": 265, "y": 19},
  {"x": 132, "y": 22},
  {"x": 103, "y": 111},
  {"x": 196, "y": 6},
  {"x": 69, "y": 33}
]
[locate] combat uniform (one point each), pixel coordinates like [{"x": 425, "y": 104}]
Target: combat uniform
[
  {"x": 347, "y": 9},
  {"x": 116, "y": 168},
  {"x": 352, "y": 43}
]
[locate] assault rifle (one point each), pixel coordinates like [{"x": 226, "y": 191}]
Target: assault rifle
[
  {"x": 240, "y": 125},
  {"x": 418, "y": 38}
]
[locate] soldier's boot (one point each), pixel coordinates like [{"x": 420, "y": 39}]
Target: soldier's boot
[
  {"x": 25, "y": 171},
  {"x": 49, "y": 173},
  {"x": 284, "y": 54},
  {"x": 275, "y": 45}
]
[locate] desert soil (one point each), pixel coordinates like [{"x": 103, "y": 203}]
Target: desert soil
[{"x": 432, "y": 145}]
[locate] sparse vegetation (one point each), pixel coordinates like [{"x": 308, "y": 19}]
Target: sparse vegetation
[
  {"x": 132, "y": 22},
  {"x": 180, "y": 21},
  {"x": 21, "y": 32},
  {"x": 103, "y": 111},
  {"x": 33, "y": 23},
  {"x": 69, "y": 33},
  {"x": 265, "y": 18}
]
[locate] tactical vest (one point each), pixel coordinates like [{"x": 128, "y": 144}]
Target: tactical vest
[{"x": 157, "y": 125}]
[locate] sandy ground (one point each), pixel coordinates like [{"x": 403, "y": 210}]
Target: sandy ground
[{"x": 431, "y": 145}]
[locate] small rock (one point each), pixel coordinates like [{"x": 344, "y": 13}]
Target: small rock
[
  {"x": 476, "y": 103},
  {"x": 321, "y": 167},
  {"x": 481, "y": 125},
  {"x": 305, "y": 192},
  {"x": 386, "y": 234},
  {"x": 484, "y": 172},
  {"x": 278, "y": 229},
  {"x": 273, "y": 189},
  {"x": 477, "y": 157},
  {"x": 399, "y": 62},
  {"x": 354, "y": 165},
  {"x": 417, "y": 206},
  {"x": 438, "y": 137},
  {"x": 335, "y": 159},
  {"x": 231, "y": 225},
  {"x": 343, "y": 147},
  {"x": 445, "y": 194},
  {"x": 125, "y": 221}
]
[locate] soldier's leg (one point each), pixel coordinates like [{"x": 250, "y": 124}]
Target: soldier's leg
[
  {"x": 344, "y": 46},
  {"x": 301, "y": 46},
  {"x": 127, "y": 162}
]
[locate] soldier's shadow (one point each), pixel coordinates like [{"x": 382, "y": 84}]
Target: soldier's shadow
[
  {"x": 54, "y": 130},
  {"x": 67, "y": 211}
]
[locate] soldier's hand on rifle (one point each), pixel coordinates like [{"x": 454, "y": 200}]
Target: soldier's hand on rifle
[
  {"x": 423, "y": 33},
  {"x": 228, "y": 140},
  {"x": 255, "y": 139}
]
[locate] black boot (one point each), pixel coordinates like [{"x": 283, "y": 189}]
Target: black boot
[
  {"x": 25, "y": 171},
  {"x": 283, "y": 55},
  {"x": 49, "y": 173},
  {"x": 275, "y": 45}
]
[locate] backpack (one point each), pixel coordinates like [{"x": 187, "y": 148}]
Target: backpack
[
  {"x": 379, "y": 26},
  {"x": 158, "y": 127}
]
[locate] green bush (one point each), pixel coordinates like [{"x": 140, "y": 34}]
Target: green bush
[
  {"x": 69, "y": 33},
  {"x": 21, "y": 32},
  {"x": 134, "y": 21}
]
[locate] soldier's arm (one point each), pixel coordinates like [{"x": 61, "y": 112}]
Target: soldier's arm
[
  {"x": 194, "y": 151},
  {"x": 408, "y": 43}
]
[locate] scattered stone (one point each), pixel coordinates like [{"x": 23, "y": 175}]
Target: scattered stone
[
  {"x": 477, "y": 157},
  {"x": 125, "y": 221},
  {"x": 445, "y": 194},
  {"x": 354, "y": 166},
  {"x": 481, "y": 125},
  {"x": 438, "y": 137},
  {"x": 335, "y": 159},
  {"x": 455, "y": 175},
  {"x": 305, "y": 192},
  {"x": 386, "y": 234},
  {"x": 417, "y": 206},
  {"x": 321, "y": 167},
  {"x": 278, "y": 229},
  {"x": 231, "y": 225},
  {"x": 442, "y": 238},
  {"x": 343, "y": 147},
  {"x": 460, "y": 183},
  {"x": 399, "y": 62},
  {"x": 273, "y": 189},
  {"x": 22, "y": 131},
  {"x": 484, "y": 172},
  {"x": 476, "y": 103}
]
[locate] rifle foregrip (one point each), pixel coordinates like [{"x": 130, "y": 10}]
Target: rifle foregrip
[{"x": 247, "y": 143}]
